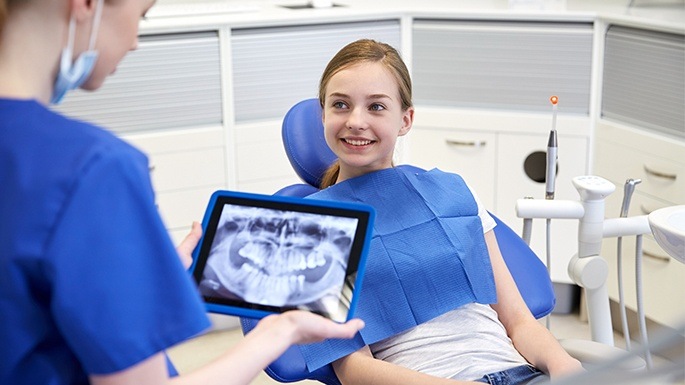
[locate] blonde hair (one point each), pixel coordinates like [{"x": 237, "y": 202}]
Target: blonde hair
[{"x": 360, "y": 51}]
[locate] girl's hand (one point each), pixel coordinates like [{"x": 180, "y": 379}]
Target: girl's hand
[{"x": 562, "y": 369}]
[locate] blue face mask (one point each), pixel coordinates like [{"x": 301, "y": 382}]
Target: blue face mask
[{"x": 72, "y": 75}]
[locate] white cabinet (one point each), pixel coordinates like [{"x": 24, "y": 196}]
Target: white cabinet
[
  {"x": 186, "y": 167},
  {"x": 641, "y": 135},
  {"x": 469, "y": 154},
  {"x": 621, "y": 153}
]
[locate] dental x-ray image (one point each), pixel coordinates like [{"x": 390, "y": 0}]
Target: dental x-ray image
[{"x": 285, "y": 259}]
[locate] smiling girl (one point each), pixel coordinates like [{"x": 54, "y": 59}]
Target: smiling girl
[{"x": 482, "y": 331}]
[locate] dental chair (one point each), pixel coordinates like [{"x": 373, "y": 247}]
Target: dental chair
[{"x": 310, "y": 156}]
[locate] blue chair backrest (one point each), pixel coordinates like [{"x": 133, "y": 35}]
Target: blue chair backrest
[{"x": 309, "y": 155}]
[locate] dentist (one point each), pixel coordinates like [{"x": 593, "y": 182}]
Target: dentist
[{"x": 91, "y": 288}]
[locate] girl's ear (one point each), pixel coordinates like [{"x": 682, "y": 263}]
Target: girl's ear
[{"x": 407, "y": 121}]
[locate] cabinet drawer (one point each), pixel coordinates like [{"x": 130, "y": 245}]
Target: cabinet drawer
[
  {"x": 640, "y": 204},
  {"x": 260, "y": 157},
  {"x": 663, "y": 278},
  {"x": 469, "y": 154},
  {"x": 663, "y": 281},
  {"x": 184, "y": 159},
  {"x": 188, "y": 169},
  {"x": 662, "y": 175},
  {"x": 262, "y": 161},
  {"x": 180, "y": 208}
]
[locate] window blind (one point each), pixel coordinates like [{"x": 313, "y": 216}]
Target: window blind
[
  {"x": 170, "y": 81},
  {"x": 644, "y": 79},
  {"x": 502, "y": 65}
]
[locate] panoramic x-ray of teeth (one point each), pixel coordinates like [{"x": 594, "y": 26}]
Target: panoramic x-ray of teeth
[{"x": 279, "y": 258}]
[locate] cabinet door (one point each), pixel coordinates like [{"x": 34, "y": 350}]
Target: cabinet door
[
  {"x": 262, "y": 165},
  {"x": 523, "y": 156},
  {"x": 467, "y": 153},
  {"x": 643, "y": 83},
  {"x": 170, "y": 81},
  {"x": 186, "y": 166},
  {"x": 503, "y": 65},
  {"x": 276, "y": 67}
]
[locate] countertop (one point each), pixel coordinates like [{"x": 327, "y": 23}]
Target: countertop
[{"x": 664, "y": 15}]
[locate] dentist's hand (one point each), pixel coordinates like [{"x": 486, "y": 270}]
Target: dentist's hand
[
  {"x": 303, "y": 327},
  {"x": 185, "y": 249}
]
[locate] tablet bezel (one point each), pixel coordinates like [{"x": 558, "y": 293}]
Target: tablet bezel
[{"x": 356, "y": 262}]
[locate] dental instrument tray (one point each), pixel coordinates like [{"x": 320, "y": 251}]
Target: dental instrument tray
[{"x": 264, "y": 254}]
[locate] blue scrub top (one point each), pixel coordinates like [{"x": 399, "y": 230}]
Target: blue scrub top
[{"x": 90, "y": 282}]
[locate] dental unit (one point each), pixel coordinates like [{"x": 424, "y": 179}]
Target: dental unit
[{"x": 587, "y": 268}]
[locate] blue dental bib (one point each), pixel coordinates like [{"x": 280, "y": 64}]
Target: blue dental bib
[{"x": 427, "y": 257}]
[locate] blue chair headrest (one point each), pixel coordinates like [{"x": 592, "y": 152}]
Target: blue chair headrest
[{"x": 304, "y": 141}]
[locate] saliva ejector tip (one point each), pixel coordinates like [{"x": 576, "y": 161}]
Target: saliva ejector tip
[{"x": 554, "y": 99}]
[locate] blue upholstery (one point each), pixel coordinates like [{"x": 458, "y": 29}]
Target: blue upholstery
[
  {"x": 310, "y": 157},
  {"x": 307, "y": 150}
]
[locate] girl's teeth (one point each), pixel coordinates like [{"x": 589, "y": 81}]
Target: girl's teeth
[{"x": 358, "y": 142}]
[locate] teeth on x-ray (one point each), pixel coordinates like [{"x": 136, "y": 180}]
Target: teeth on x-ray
[{"x": 282, "y": 257}]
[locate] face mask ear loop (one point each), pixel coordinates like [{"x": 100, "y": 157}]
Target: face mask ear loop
[
  {"x": 96, "y": 24},
  {"x": 72, "y": 32},
  {"x": 93, "y": 32}
]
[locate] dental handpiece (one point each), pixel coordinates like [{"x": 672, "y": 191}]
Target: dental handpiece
[
  {"x": 628, "y": 189},
  {"x": 552, "y": 152}
]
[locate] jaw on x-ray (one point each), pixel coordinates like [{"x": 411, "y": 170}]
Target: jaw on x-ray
[{"x": 279, "y": 258}]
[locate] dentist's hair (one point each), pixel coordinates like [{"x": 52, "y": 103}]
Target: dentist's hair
[
  {"x": 3, "y": 14},
  {"x": 365, "y": 51}
]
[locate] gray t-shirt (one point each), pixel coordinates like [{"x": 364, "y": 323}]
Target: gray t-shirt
[{"x": 463, "y": 344}]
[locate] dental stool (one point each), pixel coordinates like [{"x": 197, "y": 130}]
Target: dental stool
[{"x": 310, "y": 156}]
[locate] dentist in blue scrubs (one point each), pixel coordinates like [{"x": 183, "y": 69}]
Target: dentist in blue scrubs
[{"x": 92, "y": 290}]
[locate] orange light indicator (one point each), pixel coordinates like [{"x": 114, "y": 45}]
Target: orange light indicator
[{"x": 554, "y": 99}]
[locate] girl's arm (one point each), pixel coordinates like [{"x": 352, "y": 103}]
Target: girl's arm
[
  {"x": 240, "y": 365},
  {"x": 530, "y": 338},
  {"x": 361, "y": 368}
]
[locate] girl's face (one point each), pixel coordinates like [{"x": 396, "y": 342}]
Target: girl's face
[
  {"x": 363, "y": 117},
  {"x": 118, "y": 34}
]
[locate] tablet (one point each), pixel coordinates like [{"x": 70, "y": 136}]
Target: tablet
[{"x": 264, "y": 254}]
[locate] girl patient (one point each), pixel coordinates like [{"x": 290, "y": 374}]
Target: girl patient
[{"x": 482, "y": 330}]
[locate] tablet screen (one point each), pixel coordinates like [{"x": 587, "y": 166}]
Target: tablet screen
[{"x": 263, "y": 254}]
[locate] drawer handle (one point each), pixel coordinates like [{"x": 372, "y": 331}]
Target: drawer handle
[
  {"x": 464, "y": 143},
  {"x": 660, "y": 174},
  {"x": 661, "y": 258}
]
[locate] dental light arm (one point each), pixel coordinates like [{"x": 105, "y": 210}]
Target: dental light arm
[{"x": 552, "y": 147}]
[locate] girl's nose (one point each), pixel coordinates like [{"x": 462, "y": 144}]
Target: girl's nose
[{"x": 357, "y": 119}]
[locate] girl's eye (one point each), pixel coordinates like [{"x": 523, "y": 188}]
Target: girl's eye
[
  {"x": 339, "y": 105},
  {"x": 376, "y": 107}
]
